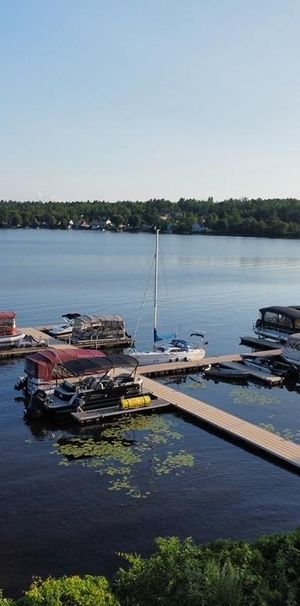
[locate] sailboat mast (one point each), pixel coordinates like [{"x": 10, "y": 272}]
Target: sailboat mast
[{"x": 155, "y": 288}]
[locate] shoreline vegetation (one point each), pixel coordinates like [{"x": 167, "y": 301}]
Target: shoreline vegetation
[
  {"x": 181, "y": 573},
  {"x": 273, "y": 218}
]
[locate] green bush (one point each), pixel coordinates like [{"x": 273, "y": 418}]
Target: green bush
[
  {"x": 181, "y": 573},
  {"x": 224, "y": 573},
  {"x": 5, "y": 601},
  {"x": 69, "y": 591}
]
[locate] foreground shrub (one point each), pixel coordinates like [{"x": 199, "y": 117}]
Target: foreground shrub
[
  {"x": 69, "y": 591},
  {"x": 181, "y": 573},
  {"x": 5, "y": 601},
  {"x": 224, "y": 573}
]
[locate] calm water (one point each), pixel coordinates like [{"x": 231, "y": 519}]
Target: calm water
[{"x": 71, "y": 499}]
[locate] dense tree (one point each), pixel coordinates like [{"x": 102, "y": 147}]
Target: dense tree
[{"x": 272, "y": 218}]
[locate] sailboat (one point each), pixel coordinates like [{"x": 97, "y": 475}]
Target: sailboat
[{"x": 174, "y": 349}]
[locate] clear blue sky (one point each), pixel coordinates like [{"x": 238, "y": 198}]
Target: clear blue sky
[{"x": 133, "y": 99}]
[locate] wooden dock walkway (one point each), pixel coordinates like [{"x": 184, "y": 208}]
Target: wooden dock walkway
[
  {"x": 266, "y": 443},
  {"x": 156, "y": 370},
  {"x": 101, "y": 414}
]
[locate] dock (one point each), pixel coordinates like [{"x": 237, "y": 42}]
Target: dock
[
  {"x": 40, "y": 334},
  {"x": 99, "y": 415},
  {"x": 229, "y": 426},
  {"x": 265, "y": 443},
  {"x": 172, "y": 368}
]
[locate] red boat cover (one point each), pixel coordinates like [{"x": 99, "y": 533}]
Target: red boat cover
[
  {"x": 40, "y": 365},
  {"x": 7, "y": 315}
]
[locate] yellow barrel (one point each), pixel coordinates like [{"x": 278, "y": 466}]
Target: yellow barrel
[{"x": 137, "y": 402}]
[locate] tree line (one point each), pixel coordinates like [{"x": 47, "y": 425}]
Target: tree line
[
  {"x": 181, "y": 573},
  {"x": 242, "y": 217}
]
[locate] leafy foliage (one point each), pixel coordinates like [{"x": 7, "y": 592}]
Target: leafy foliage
[
  {"x": 224, "y": 573},
  {"x": 69, "y": 591},
  {"x": 181, "y": 573},
  {"x": 5, "y": 601},
  {"x": 271, "y": 218}
]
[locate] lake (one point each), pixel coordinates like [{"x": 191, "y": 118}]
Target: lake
[{"x": 72, "y": 498}]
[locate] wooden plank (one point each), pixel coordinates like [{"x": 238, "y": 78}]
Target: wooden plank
[
  {"x": 170, "y": 367},
  {"x": 280, "y": 450},
  {"x": 99, "y": 414}
]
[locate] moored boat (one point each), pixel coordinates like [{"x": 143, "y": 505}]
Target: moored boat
[
  {"x": 65, "y": 328},
  {"x": 10, "y": 336},
  {"x": 173, "y": 349},
  {"x": 219, "y": 372},
  {"x": 291, "y": 350},
  {"x": 90, "y": 392},
  {"x": 278, "y": 322},
  {"x": 45, "y": 369},
  {"x": 266, "y": 364}
]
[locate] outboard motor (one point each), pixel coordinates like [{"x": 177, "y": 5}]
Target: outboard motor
[
  {"x": 21, "y": 384},
  {"x": 35, "y": 408}
]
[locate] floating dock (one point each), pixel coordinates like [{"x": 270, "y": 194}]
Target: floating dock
[
  {"x": 244, "y": 433},
  {"x": 101, "y": 414},
  {"x": 49, "y": 341},
  {"x": 172, "y": 368}
]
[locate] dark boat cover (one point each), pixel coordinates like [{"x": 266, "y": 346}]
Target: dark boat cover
[
  {"x": 289, "y": 312},
  {"x": 43, "y": 364}
]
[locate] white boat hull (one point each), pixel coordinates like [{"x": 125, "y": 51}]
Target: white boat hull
[
  {"x": 11, "y": 340},
  {"x": 157, "y": 357},
  {"x": 60, "y": 331}
]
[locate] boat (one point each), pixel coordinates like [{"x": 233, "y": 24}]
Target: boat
[
  {"x": 266, "y": 364},
  {"x": 291, "y": 350},
  {"x": 46, "y": 368},
  {"x": 10, "y": 336},
  {"x": 89, "y": 393},
  {"x": 173, "y": 349},
  {"x": 64, "y": 329},
  {"x": 109, "y": 330},
  {"x": 219, "y": 372},
  {"x": 278, "y": 322}
]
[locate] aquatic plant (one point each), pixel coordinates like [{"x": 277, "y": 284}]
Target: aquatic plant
[
  {"x": 250, "y": 396},
  {"x": 120, "y": 451}
]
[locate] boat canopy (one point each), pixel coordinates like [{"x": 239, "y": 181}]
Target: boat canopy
[
  {"x": 48, "y": 364},
  {"x": 289, "y": 312},
  {"x": 71, "y": 316},
  {"x": 87, "y": 366},
  {"x": 123, "y": 361},
  {"x": 97, "y": 319},
  {"x": 7, "y": 315},
  {"x": 98, "y": 326}
]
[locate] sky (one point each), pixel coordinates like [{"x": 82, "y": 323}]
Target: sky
[{"x": 139, "y": 99}]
